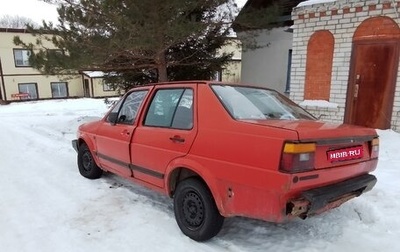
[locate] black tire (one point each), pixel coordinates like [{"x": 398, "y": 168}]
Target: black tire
[
  {"x": 86, "y": 164},
  {"x": 195, "y": 210}
]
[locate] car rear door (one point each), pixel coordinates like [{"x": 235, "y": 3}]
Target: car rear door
[
  {"x": 115, "y": 133},
  {"x": 166, "y": 131}
]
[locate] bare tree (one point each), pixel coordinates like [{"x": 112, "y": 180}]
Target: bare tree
[{"x": 20, "y": 22}]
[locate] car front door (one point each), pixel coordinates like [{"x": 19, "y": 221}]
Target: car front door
[
  {"x": 115, "y": 133},
  {"x": 166, "y": 132}
]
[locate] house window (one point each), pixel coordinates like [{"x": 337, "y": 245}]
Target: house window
[
  {"x": 21, "y": 57},
  {"x": 54, "y": 52},
  {"x": 218, "y": 76},
  {"x": 108, "y": 86},
  {"x": 30, "y": 89},
  {"x": 289, "y": 70},
  {"x": 59, "y": 89}
]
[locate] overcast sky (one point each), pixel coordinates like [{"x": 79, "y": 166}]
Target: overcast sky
[{"x": 38, "y": 10}]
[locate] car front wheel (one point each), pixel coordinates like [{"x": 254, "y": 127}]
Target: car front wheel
[
  {"x": 86, "y": 164},
  {"x": 195, "y": 210}
]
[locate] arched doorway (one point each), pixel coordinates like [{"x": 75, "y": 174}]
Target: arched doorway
[{"x": 373, "y": 72}]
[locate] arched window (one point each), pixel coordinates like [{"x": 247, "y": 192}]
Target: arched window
[{"x": 319, "y": 66}]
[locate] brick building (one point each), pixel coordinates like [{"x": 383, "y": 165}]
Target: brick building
[{"x": 345, "y": 61}]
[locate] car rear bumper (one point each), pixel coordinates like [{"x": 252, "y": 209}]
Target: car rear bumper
[
  {"x": 75, "y": 144},
  {"x": 321, "y": 199}
]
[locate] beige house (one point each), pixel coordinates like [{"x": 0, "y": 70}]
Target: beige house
[
  {"x": 19, "y": 81},
  {"x": 232, "y": 71},
  {"x": 95, "y": 86}
]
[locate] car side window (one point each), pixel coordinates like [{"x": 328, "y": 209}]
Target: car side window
[
  {"x": 130, "y": 106},
  {"x": 117, "y": 106},
  {"x": 183, "y": 118},
  {"x": 171, "y": 108}
]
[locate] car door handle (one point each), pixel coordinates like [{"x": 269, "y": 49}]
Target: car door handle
[
  {"x": 177, "y": 139},
  {"x": 125, "y": 132}
]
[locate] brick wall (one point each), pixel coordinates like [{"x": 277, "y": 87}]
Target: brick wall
[{"x": 341, "y": 18}]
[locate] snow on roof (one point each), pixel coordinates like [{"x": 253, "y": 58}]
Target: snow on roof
[
  {"x": 94, "y": 74},
  {"x": 311, "y": 2}
]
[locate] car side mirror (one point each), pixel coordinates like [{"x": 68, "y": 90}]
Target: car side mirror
[{"x": 112, "y": 118}]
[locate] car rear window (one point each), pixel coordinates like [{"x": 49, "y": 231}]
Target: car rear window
[{"x": 257, "y": 103}]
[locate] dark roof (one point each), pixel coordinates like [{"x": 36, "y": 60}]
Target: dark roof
[
  {"x": 15, "y": 30},
  {"x": 285, "y": 10}
]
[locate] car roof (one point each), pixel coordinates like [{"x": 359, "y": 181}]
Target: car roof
[
  {"x": 204, "y": 82},
  {"x": 180, "y": 82}
]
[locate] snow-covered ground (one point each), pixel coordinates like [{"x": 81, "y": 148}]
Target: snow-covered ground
[{"x": 46, "y": 206}]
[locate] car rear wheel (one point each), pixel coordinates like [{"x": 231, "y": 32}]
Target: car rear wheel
[
  {"x": 86, "y": 164},
  {"x": 195, "y": 210}
]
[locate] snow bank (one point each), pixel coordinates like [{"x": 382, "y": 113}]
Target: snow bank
[{"x": 46, "y": 206}]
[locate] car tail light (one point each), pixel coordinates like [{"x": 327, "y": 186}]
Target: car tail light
[
  {"x": 298, "y": 157},
  {"x": 375, "y": 148}
]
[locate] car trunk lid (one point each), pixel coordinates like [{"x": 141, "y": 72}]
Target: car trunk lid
[{"x": 336, "y": 144}]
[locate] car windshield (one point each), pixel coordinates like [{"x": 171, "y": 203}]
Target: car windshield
[{"x": 257, "y": 103}]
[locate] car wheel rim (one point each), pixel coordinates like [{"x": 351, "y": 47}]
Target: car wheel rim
[
  {"x": 87, "y": 161},
  {"x": 193, "y": 210}
]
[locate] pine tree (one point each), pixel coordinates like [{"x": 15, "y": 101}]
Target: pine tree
[{"x": 135, "y": 41}]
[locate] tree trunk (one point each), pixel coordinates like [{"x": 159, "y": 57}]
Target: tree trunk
[{"x": 162, "y": 68}]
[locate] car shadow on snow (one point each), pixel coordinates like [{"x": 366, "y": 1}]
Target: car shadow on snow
[
  {"x": 140, "y": 193},
  {"x": 326, "y": 228},
  {"x": 244, "y": 232}
]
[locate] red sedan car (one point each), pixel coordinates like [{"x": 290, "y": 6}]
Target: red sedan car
[{"x": 222, "y": 150}]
